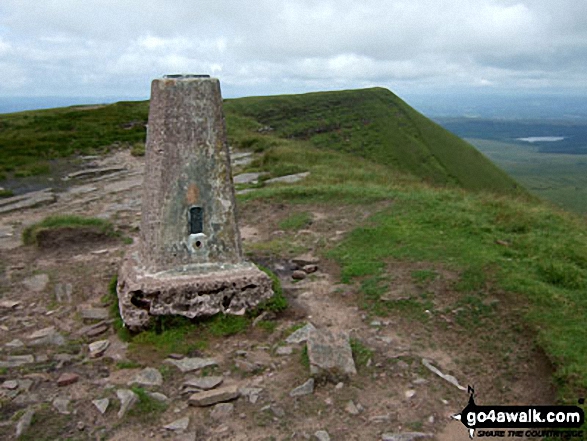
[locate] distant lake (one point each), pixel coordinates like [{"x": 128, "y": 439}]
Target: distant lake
[{"x": 542, "y": 138}]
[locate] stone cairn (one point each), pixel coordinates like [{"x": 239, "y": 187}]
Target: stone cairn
[{"x": 189, "y": 258}]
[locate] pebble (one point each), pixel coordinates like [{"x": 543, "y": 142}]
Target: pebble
[
  {"x": 10, "y": 384},
  {"x": 191, "y": 364},
  {"x": 351, "y": 408},
  {"x": 203, "y": 383},
  {"x": 309, "y": 269},
  {"x": 214, "y": 396}
]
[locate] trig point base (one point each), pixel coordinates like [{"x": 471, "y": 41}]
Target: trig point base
[{"x": 188, "y": 260}]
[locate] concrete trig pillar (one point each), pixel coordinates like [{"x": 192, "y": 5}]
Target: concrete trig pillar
[{"x": 189, "y": 258}]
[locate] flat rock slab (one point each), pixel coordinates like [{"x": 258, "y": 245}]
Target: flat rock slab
[
  {"x": 93, "y": 172},
  {"x": 127, "y": 400},
  {"x": 289, "y": 179},
  {"x": 306, "y": 259},
  {"x": 222, "y": 411},
  {"x": 17, "y": 361},
  {"x": 208, "y": 398},
  {"x": 98, "y": 348},
  {"x": 94, "y": 313},
  {"x": 28, "y": 200},
  {"x": 247, "y": 178},
  {"x": 148, "y": 377},
  {"x": 67, "y": 378},
  {"x": 301, "y": 335},
  {"x": 305, "y": 389},
  {"x": 101, "y": 405},
  {"x": 178, "y": 425},
  {"x": 203, "y": 383},
  {"x": 191, "y": 364},
  {"x": 330, "y": 354},
  {"x": 36, "y": 283}
]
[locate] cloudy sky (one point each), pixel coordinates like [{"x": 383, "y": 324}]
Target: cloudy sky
[{"x": 262, "y": 47}]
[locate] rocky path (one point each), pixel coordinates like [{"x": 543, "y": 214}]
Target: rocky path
[{"x": 324, "y": 370}]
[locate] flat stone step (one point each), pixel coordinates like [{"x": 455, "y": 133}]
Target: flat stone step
[{"x": 28, "y": 200}]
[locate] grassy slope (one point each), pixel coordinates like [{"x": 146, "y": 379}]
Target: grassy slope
[
  {"x": 29, "y": 137},
  {"x": 375, "y": 124}
]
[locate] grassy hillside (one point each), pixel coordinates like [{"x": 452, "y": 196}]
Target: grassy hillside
[
  {"x": 29, "y": 140},
  {"x": 376, "y": 125},
  {"x": 371, "y": 123}
]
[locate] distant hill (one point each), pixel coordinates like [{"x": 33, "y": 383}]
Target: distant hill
[{"x": 377, "y": 125}]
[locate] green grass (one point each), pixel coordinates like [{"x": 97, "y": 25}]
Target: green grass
[
  {"x": 147, "y": 407},
  {"x": 6, "y": 193},
  {"x": 544, "y": 268},
  {"x": 361, "y": 353},
  {"x": 29, "y": 234},
  {"x": 296, "y": 221},
  {"x": 376, "y": 125},
  {"x": 27, "y": 137},
  {"x": 555, "y": 177}
]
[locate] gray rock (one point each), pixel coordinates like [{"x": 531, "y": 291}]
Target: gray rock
[
  {"x": 148, "y": 377},
  {"x": 62, "y": 404},
  {"x": 25, "y": 385},
  {"x": 9, "y": 304},
  {"x": 101, "y": 404},
  {"x": 222, "y": 411},
  {"x": 93, "y": 172},
  {"x": 24, "y": 422},
  {"x": 214, "y": 396},
  {"x": 16, "y": 343},
  {"x": 63, "y": 292},
  {"x": 305, "y": 389},
  {"x": 298, "y": 275},
  {"x": 289, "y": 179},
  {"x": 36, "y": 283},
  {"x": 98, "y": 348},
  {"x": 191, "y": 364},
  {"x": 306, "y": 259},
  {"x": 309, "y": 269},
  {"x": 247, "y": 178},
  {"x": 28, "y": 200},
  {"x": 406, "y": 436},
  {"x": 16, "y": 361},
  {"x": 52, "y": 339},
  {"x": 252, "y": 393},
  {"x": 10, "y": 384},
  {"x": 42, "y": 333},
  {"x": 351, "y": 408},
  {"x": 158, "y": 396},
  {"x": 94, "y": 313},
  {"x": 284, "y": 350},
  {"x": 127, "y": 400},
  {"x": 203, "y": 383},
  {"x": 330, "y": 354},
  {"x": 301, "y": 335},
  {"x": 322, "y": 435},
  {"x": 180, "y": 425}
]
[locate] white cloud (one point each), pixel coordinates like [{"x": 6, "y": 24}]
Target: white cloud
[{"x": 109, "y": 47}]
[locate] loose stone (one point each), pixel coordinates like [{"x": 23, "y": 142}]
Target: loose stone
[
  {"x": 67, "y": 378},
  {"x": 127, "y": 400},
  {"x": 101, "y": 405},
  {"x": 178, "y": 425},
  {"x": 214, "y": 396},
  {"x": 305, "y": 389}
]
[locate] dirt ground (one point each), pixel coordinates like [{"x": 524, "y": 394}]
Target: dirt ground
[{"x": 393, "y": 392}]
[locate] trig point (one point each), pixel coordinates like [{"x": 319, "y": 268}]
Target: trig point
[{"x": 189, "y": 258}]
